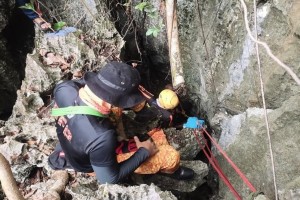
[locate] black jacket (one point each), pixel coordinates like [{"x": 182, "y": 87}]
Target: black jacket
[{"x": 93, "y": 142}]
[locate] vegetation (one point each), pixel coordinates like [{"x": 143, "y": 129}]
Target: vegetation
[{"x": 152, "y": 13}]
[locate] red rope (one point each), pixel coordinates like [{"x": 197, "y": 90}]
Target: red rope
[
  {"x": 211, "y": 154},
  {"x": 37, "y": 8},
  {"x": 238, "y": 171},
  {"x": 212, "y": 160}
]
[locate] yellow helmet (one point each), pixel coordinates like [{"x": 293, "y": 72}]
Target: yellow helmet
[{"x": 168, "y": 99}]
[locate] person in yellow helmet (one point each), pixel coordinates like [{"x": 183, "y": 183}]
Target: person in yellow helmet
[
  {"x": 151, "y": 116},
  {"x": 167, "y": 99},
  {"x": 156, "y": 113}
]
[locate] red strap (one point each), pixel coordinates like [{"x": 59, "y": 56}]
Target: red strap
[
  {"x": 37, "y": 8},
  {"x": 132, "y": 145},
  {"x": 238, "y": 171},
  {"x": 119, "y": 148},
  {"x": 212, "y": 160},
  {"x": 145, "y": 92},
  {"x": 126, "y": 147}
]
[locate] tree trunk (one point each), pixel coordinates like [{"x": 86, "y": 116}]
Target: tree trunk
[
  {"x": 8, "y": 181},
  {"x": 173, "y": 42}
]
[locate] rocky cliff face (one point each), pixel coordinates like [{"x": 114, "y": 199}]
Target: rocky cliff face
[{"x": 221, "y": 70}]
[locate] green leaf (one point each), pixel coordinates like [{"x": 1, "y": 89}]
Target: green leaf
[
  {"x": 155, "y": 32},
  {"x": 161, "y": 24},
  {"x": 141, "y": 6},
  {"x": 59, "y": 25},
  {"x": 152, "y": 15},
  {"x": 149, "y": 9},
  {"x": 149, "y": 31},
  {"x": 28, "y": 6}
]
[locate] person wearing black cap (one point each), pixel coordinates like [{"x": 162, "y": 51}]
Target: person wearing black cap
[{"x": 88, "y": 141}]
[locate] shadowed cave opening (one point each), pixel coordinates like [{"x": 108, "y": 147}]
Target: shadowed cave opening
[{"x": 19, "y": 38}]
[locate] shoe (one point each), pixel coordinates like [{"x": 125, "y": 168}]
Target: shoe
[{"x": 182, "y": 173}]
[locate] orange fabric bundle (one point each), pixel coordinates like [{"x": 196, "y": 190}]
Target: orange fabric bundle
[{"x": 166, "y": 160}]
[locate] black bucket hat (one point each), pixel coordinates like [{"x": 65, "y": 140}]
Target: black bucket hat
[{"x": 116, "y": 83}]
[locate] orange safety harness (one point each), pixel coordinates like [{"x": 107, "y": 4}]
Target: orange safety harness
[{"x": 200, "y": 133}]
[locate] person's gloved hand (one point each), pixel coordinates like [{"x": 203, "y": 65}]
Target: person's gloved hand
[{"x": 193, "y": 122}]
